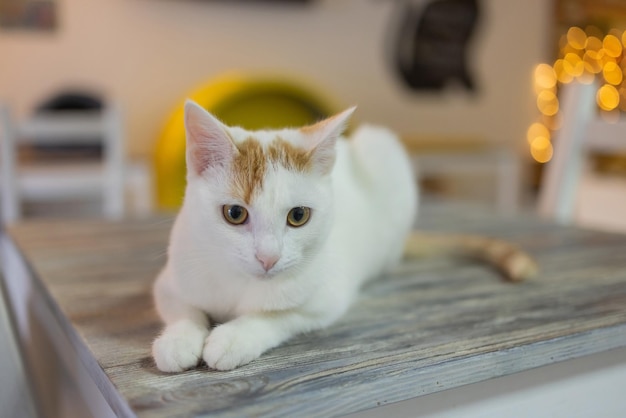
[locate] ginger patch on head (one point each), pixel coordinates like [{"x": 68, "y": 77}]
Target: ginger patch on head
[
  {"x": 251, "y": 162},
  {"x": 249, "y": 167},
  {"x": 292, "y": 158}
]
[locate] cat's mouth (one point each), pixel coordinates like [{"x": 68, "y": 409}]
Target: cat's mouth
[{"x": 270, "y": 274}]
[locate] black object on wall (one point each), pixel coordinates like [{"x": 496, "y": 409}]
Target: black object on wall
[
  {"x": 431, "y": 42},
  {"x": 71, "y": 100},
  {"x": 75, "y": 101}
]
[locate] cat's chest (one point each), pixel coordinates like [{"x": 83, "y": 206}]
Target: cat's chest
[{"x": 218, "y": 295}]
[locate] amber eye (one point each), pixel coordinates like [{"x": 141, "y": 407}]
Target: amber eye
[
  {"x": 298, "y": 216},
  {"x": 235, "y": 214}
]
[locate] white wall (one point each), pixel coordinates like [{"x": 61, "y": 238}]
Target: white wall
[{"x": 149, "y": 53}]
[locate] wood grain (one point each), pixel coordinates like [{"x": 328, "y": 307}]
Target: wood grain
[{"x": 430, "y": 325}]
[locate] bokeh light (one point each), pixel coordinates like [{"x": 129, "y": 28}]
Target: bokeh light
[
  {"x": 591, "y": 64},
  {"x": 561, "y": 75},
  {"x": 573, "y": 64},
  {"x": 612, "y": 46},
  {"x": 607, "y": 97},
  {"x": 584, "y": 56},
  {"x": 545, "y": 77},
  {"x": 547, "y": 103},
  {"x": 537, "y": 130},
  {"x": 541, "y": 149},
  {"x": 576, "y": 37},
  {"x": 612, "y": 73},
  {"x": 593, "y": 45}
]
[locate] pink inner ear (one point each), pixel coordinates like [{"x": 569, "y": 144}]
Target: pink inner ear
[{"x": 208, "y": 143}]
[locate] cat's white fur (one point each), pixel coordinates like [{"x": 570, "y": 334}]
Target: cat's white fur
[{"x": 363, "y": 207}]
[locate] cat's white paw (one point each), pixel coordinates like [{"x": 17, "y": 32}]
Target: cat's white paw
[
  {"x": 229, "y": 347},
  {"x": 180, "y": 346}
]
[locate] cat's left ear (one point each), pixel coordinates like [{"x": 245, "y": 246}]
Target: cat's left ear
[{"x": 322, "y": 138}]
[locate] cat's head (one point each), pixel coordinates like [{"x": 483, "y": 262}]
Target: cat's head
[{"x": 265, "y": 197}]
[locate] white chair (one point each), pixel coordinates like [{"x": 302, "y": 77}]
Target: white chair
[
  {"x": 500, "y": 162},
  {"x": 570, "y": 191},
  {"x": 104, "y": 179}
]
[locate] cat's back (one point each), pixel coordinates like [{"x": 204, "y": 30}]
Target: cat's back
[
  {"x": 376, "y": 198},
  {"x": 373, "y": 162}
]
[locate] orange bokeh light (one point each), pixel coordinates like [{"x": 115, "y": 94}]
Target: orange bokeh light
[
  {"x": 612, "y": 46},
  {"x": 583, "y": 54},
  {"x": 607, "y": 97},
  {"x": 576, "y": 37}
]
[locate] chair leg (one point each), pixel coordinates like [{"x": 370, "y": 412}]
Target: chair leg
[
  {"x": 113, "y": 193},
  {"x": 8, "y": 159},
  {"x": 558, "y": 192}
]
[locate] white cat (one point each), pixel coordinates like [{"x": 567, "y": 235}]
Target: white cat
[{"x": 277, "y": 232}]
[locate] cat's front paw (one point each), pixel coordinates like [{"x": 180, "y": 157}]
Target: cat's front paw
[
  {"x": 229, "y": 347},
  {"x": 180, "y": 346}
]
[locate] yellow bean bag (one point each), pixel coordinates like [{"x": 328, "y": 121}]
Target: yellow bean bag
[{"x": 252, "y": 102}]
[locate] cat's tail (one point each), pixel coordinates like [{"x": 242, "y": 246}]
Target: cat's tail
[{"x": 514, "y": 263}]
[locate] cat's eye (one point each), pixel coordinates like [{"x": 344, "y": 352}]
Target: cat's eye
[
  {"x": 298, "y": 216},
  {"x": 235, "y": 214}
]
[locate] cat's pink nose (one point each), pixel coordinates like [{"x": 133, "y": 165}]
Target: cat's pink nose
[{"x": 267, "y": 261}]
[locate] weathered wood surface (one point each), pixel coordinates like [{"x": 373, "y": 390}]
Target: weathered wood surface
[{"x": 429, "y": 326}]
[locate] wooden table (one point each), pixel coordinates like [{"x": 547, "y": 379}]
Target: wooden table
[{"x": 431, "y": 325}]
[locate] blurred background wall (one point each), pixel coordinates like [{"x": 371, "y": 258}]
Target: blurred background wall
[{"x": 148, "y": 54}]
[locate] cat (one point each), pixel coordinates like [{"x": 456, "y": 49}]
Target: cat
[{"x": 278, "y": 231}]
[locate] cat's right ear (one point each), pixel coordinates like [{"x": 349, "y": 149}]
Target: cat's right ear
[
  {"x": 322, "y": 138},
  {"x": 208, "y": 142}
]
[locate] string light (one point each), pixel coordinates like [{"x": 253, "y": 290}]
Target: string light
[
  {"x": 612, "y": 46},
  {"x": 612, "y": 73},
  {"x": 576, "y": 37},
  {"x": 607, "y": 97},
  {"x": 585, "y": 54},
  {"x": 541, "y": 149},
  {"x": 537, "y": 130},
  {"x": 547, "y": 103}
]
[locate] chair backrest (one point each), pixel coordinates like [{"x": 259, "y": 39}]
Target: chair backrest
[
  {"x": 582, "y": 132},
  {"x": 79, "y": 128}
]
